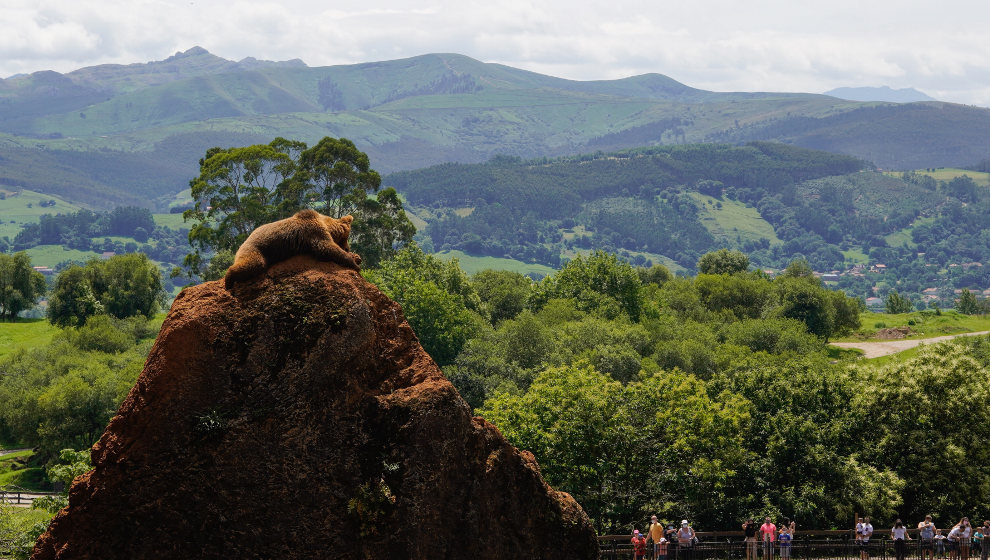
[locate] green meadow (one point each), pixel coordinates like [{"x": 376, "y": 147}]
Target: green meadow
[
  {"x": 733, "y": 222},
  {"x": 24, "y": 333},
  {"x": 473, "y": 265},
  {"x": 20, "y": 207}
]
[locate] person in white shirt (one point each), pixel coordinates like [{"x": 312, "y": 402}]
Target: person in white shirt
[
  {"x": 966, "y": 534},
  {"x": 954, "y": 538},
  {"x": 900, "y": 536},
  {"x": 864, "y": 530}
]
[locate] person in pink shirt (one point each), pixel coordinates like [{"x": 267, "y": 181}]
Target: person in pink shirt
[{"x": 768, "y": 534}]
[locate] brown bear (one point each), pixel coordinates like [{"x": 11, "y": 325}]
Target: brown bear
[{"x": 307, "y": 232}]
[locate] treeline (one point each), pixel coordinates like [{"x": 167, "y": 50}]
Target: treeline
[
  {"x": 86, "y": 230},
  {"x": 62, "y": 395}
]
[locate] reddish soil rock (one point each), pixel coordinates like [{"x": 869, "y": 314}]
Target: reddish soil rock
[{"x": 298, "y": 417}]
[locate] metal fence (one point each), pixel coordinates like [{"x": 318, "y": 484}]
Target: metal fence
[{"x": 803, "y": 547}]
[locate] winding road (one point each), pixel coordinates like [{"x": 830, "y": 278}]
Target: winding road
[{"x": 887, "y": 347}]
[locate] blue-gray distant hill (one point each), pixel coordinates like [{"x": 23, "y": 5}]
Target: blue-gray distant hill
[
  {"x": 133, "y": 134},
  {"x": 885, "y": 93}
]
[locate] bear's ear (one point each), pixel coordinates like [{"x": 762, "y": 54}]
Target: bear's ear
[{"x": 347, "y": 219}]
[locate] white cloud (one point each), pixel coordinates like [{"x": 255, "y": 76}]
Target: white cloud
[{"x": 728, "y": 45}]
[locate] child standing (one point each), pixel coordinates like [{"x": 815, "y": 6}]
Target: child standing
[
  {"x": 939, "y": 543},
  {"x": 661, "y": 549},
  {"x": 639, "y": 545},
  {"x": 785, "y": 542}
]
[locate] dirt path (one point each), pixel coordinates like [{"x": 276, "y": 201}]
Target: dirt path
[{"x": 887, "y": 347}]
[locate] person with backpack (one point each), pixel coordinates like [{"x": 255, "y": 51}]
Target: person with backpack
[{"x": 685, "y": 540}]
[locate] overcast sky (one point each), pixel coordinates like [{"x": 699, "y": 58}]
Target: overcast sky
[{"x": 942, "y": 49}]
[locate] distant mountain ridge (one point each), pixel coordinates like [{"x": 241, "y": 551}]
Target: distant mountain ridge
[
  {"x": 884, "y": 93},
  {"x": 132, "y": 134}
]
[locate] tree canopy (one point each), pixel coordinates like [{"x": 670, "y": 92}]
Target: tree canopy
[
  {"x": 20, "y": 285},
  {"x": 723, "y": 261},
  {"x": 121, "y": 286},
  {"x": 241, "y": 188}
]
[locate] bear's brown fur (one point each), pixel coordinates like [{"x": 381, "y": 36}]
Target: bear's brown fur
[{"x": 307, "y": 232}]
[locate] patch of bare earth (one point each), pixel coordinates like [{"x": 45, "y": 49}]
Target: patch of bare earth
[{"x": 894, "y": 344}]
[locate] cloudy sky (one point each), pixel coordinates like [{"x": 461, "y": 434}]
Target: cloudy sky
[{"x": 942, "y": 49}]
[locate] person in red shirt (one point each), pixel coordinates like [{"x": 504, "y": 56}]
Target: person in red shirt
[
  {"x": 768, "y": 534},
  {"x": 639, "y": 545}
]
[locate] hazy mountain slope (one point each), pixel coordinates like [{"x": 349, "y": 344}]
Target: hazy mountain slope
[
  {"x": 909, "y": 136},
  {"x": 420, "y": 111},
  {"x": 885, "y": 93}
]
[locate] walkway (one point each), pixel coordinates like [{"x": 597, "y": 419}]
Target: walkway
[{"x": 888, "y": 347}]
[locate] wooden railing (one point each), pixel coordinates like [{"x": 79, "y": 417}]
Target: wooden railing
[{"x": 17, "y": 496}]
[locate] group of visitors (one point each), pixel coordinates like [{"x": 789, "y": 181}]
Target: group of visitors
[
  {"x": 961, "y": 541},
  {"x": 769, "y": 536},
  {"x": 661, "y": 537}
]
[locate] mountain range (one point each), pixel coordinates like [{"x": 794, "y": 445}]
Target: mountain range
[
  {"x": 132, "y": 134},
  {"x": 884, "y": 93}
]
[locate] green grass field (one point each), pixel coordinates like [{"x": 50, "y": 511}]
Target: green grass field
[
  {"x": 17, "y": 469},
  {"x": 923, "y": 324},
  {"x": 733, "y": 222},
  {"x": 24, "y": 207},
  {"x": 24, "y": 333},
  {"x": 949, "y": 173},
  {"x": 896, "y": 358},
  {"x": 473, "y": 265},
  {"x": 856, "y": 255},
  {"x": 51, "y": 255},
  {"x": 173, "y": 221},
  {"x": 903, "y": 237}
]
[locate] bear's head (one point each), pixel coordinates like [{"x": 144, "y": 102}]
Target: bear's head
[{"x": 339, "y": 229}]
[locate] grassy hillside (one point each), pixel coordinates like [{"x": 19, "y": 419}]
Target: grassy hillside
[
  {"x": 133, "y": 134},
  {"x": 18, "y": 207},
  {"x": 731, "y": 222},
  {"x": 923, "y": 324},
  {"x": 671, "y": 204},
  {"x": 650, "y": 204},
  {"x": 51, "y": 255},
  {"x": 903, "y": 238}
]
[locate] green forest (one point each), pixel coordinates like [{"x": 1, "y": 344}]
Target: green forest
[
  {"x": 713, "y": 397},
  {"x": 672, "y": 204}
]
